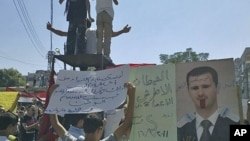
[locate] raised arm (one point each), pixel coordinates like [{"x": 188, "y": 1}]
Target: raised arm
[
  {"x": 126, "y": 125},
  {"x": 56, "y": 31},
  {"x": 60, "y": 130},
  {"x": 125, "y": 29}
]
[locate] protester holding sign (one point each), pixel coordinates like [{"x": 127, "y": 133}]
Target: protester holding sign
[
  {"x": 97, "y": 131},
  {"x": 76, "y": 125}
]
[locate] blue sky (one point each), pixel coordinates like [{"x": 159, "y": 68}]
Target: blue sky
[{"x": 218, "y": 27}]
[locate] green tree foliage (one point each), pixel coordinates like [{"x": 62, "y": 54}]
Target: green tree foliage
[
  {"x": 11, "y": 78},
  {"x": 181, "y": 57}
]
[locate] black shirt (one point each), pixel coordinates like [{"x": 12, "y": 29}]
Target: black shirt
[{"x": 77, "y": 10}]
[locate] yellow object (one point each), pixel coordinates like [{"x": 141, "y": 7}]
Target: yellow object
[
  {"x": 12, "y": 138},
  {"x": 9, "y": 100}
]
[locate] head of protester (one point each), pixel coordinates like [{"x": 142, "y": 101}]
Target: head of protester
[{"x": 8, "y": 125}]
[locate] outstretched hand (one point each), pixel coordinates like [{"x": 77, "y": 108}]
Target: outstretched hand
[
  {"x": 49, "y": 26},
  {"x": 126, "y": 29},
  {"x": 131, "y": 88}
]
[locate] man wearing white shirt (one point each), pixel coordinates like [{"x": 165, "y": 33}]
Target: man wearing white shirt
[{"x": 105, "y": 16}]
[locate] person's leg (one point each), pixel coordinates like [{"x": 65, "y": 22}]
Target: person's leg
[
  {"x": 71, "y": 38},
  {"x": 99, "y": 24},
  {"x": 81, "y": 37},
  {"x": 107, "y": 33}
]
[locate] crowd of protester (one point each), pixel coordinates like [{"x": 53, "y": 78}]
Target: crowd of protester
[{"x": 24, "y": 124}]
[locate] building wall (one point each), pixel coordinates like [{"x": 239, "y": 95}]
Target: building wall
[{"x": 38, "y": 79}]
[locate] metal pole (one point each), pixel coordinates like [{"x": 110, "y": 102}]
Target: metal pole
[{"x": 51, "y": 21}]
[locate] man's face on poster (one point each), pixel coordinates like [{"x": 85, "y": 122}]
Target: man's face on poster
[{"x": 203, "y": 91}]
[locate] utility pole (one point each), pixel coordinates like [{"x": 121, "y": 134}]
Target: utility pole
[
  {"x": 51, "y": 53},
  {"x": 50, "y": 56}
]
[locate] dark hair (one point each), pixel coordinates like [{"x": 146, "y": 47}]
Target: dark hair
[
  {"x": 22, "y": 108},
  {"x": 29, "y": 106},
  {"x": 2, "y": 110},
  {"x": 6, "y": 119},
  {"x": 92, "y": 123},
  {"x": 74, "y": 118},
  {"x": 202, "y": 70}
]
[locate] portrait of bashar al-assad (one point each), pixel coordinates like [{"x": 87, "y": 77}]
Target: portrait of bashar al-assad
[{"x": 204, "y": 86}]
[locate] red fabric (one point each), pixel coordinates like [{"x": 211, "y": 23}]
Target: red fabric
[
  {"x": 41, "y": 95},
  {"x": 38, "y": 95},
  {"x": 44, "y": 127},
  {"x": 51, "y": 136},
  {"x": 10, "y": 89},
  {"x": 25, "y": 94},
  {"x": 131, "y": 65}
]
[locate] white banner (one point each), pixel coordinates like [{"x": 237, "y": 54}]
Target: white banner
[{"x": 89, "y": 91}]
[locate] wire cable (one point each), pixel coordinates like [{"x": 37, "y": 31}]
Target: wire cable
[
  {"x": 17, "y": 60},
  {"x": 32, "y": 29},
  {"x": 20, "y": 12}
]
